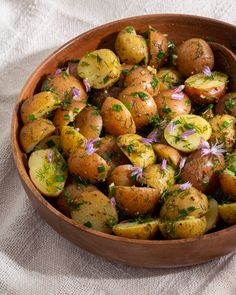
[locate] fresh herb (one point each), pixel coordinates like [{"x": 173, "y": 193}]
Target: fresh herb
[
  {"x": 189, "y": 126},
  {"x": 101, "y": 169},
  {"x": 130, "y": 148},
  {"x": 67, "y": 100},
  {"x": 140, "y": 94},
  {"x": 166, "y": 110},
  {"x": 84, "y": 64},
  {"x": 230, "y": 103},
  {"x": 59, "y": 178},
  {"x": 125, "y": 72},
  {"x": 88, "y": 224},
  {"x": 75, "y": 60},
  {"x": 111, "y": 222},
  {"x": 50, "y": 143},
  {"x": 154, "y": 82},
  {"x": 225, "y": 125},
  {"x": 117, "y": 107},
  {"x": 127, "y": 105},
  {"x": 76, "y": 110},
  {"x": 66, "y": 117},
  {"x": 160, "y": 54},
  {"x": 143, "y": 219},
  {"x": 155, "y": 121},
  {"x": 185, "y": 212},
  {"x": 106, "y": 79},
  {"x": 31, "y": 117},
  {"x": 129, "y": 29}
]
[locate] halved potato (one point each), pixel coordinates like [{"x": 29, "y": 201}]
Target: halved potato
[
  {"x": 175, "y": 131},
  {"x": 121, "y": 175},
  {"x": 39, "y": 105},
  {"x": 35, "y": 131},
  {"x": 212, "y": 215},
  {"x": 190, "y": 227},
  {"x": 139, "y": 153},
  {"x": 135, "y": 201},
  {"x": 164, "y": 151},
  {"x": 50, "y": 142},
  {"x": 228, "y": 183},
  {"x": 71, "y": 139},
  {"x": 117, "y": 119},
  {"x": 228, "y": 213},
  {"x": 203, "y": 89},
  {"x": 169, "y": 78},
  {"x": 95, "y": 210},
  {"x": 100, "y": 67},
  {"x": 48, "y": 171},
  {"x": 132, "y": 229}
]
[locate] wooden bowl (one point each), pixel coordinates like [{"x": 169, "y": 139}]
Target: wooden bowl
[{"x": 155, "y": 254}]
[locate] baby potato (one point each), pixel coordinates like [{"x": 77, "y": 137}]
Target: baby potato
[
  {"x": 48, "y": 171},
  {"x": 180, "y": 203},
  {"x": 94, "y": 210},
  {"x": 101, "y": 68},
  {"x": 89, "y": 122},
  {"x": 63, "y": 85},
  {"x": 184, "y": 132},
  {"x": 204, "y": 89},
  {"x": 228, "y": 213},
  {"x": 135, "y": 201},
  {"x": 140, "y": 104},
  {"x": 132, "y": 229},
  {"x": 228, "y": 183},
  {"x": 164, "y": 151},
  {"x": 169, "y": 107},
  {"x": 130, "y": 47},
  {"x": 158, "y": 46},
  {"x": 139, "y": 153},
  {"x": 98, "y": 96},
  {"x": 212, "y": 215},
  {"x": 50, "y": 142},
  {"x": 193, "y": 54},
  {"x": 116, "y": 117},
  {"x": 154, "y": 176},
  {"x": 110, "y": 152},
  {"x": 121, "y": 175},
  {"x": 202, "y": 171},
  {"x": 145, "y": 77},
  {"x": 190, "y": 227},
  {"x": 223, "y": 130},
  {"x": 35, "y": 131},
  {"x": 169, "y": 78},
  {"x": 39, "y": 105},
  {"x": 226, "y": 105},
  {"x": 89, "y": 167},
  {"x": 71, "y": 139}
]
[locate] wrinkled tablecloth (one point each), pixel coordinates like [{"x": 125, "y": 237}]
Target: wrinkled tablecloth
[{"x": 34, "y": 259}]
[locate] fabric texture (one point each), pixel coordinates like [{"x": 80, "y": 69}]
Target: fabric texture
[{"x": 34, "y": 259}]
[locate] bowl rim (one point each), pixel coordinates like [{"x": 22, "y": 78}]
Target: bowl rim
[{"x": 25, "y": 176}]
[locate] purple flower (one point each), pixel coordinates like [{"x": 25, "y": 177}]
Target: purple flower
[
  {"x": 89, "y": 145},
  {"x": 185, "y": 186},
  {"x": 182, "y": 162},
  {"x": 58, "y": 72},
  {"x": 177, "y": 96},
  {"x": 216, "y": 149},
  {"x": 207, "y": 71},
  {"x": 146, "y": 140},
  {"x": 179, "y": 89},
  {"x": 87, "y": 85},
  {"x": 77, "y": 129},
  {"x": 50, "y": 156},
  {"x": 76, "y": 93},
  {"x": 113, "y": 201},
  {"x": 172, "y": 127},
  {"x": 137, "y": 172},
  {"x": 185, "y": 134},
  {"x": 163, "y": 165},
  {"x": 204, "y": 144}
]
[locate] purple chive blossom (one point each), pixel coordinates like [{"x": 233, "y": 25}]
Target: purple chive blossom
[
  {"x": 182, "y": 162},
  {"x": 177, "y": 96},
  {"x": 58, "y": 72},
  {"x": 207, "y": 71},
  {"x": 50, "y": 154},
  {"x": 76, "y": 93},
  {"x": 204, "y": 144},
  {"x": 179, "y": 89},
  {"x": 172, "y": 127},
  {"x": 185, "y": 186},
  {"x": 162, "y": 125},
  {"x": 216, "y": 149},
  {"x": 146, "y": 140},
  {"x": 185, "y": 134},
  {"x": 113, "y": 201},
  {"x": 77, "y": 129},
  {"x": 87, "y": 85},
  {"x": 163, "y": 165},
  {"x": 137, "y": 172},
  {"x": 89, "y": 145}
]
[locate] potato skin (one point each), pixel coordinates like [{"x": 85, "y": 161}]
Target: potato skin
[
  {"x": 89, "y": 122},
  {"x": 226, "y": 105},
  {"x": 136, "y": 200},
  {"x": 140, "y": 104},
  {"x": 117, "y": 119},
  {"x": 193, "y": 54},
  {"x": 121, "y": 176},
  {"x": 169, "y": 78},
  {"x": 164, "y": 151},
  {"x": 203, "y": 171},
  {"x": 228, "y": 213},
  {"x": 33, "y": 132},
  {"x": 228, "y": 184},
  {"x": 168, "y": 107}
]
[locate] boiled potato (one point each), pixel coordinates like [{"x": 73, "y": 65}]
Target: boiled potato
[
  {"x": 116, "y": 117},
  {"x": 212, "y": 215},
  {"x": 163, "y": 151},
  {"x": 139, "y": 153},
  {"x": 89, "y": 122},
  {"x": 95, "y": 211},
  {"x": 50, "y": 142},
  {"x": 71, "y": 139},
  {"x": 223, "y": 130},
  {"x": 140, "y": 104},
  {"x": 145, "y": 230},
  {"x": 134, "y": 200},
  {"x": 89, "y": 167},
  {"x": 121, "y": 175},
  {"x": 193, "y": 54},
  {"x": 48, "y": 171},
  {"x": 101, "y": 68},
  {"x": 130, "y": 47},
  {"x": 168, "y": 78},
  {"x": 35, "y": 131},
  {"x": 39, "y": 105},
  {"x": 190, "y": 227},
  {"x": 203, "y": 171},
  {"x": 203, "y": 89},
  {"x": 169, "y": 107},
  {"x": 158, "y": 46},
  {"x": 227, "y": 104},
  {"x": 228, "y": 213},
  {"x": 181, "y": 203},
  {"x": 154, "y": 176},
  {"x": 185, "y": 132}
]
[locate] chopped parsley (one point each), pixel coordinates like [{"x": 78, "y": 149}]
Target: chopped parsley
[
  {"x": 76, "y": 110},
  {"x": 130, "y": 148},
  {"x": 140, "y": 94},
  {"x": 125, "y": 72},
  {"x": 66, "y": 117},
  {"x": 101, "y": 169},
  {"x": 88, "y": 224},
  {"x": 59, "y": 178},
  {"x": 154, "y": 82},
  {"x": 117, "y": 107},
  {"x": 160, "y": 54},
  {"x": 166, "y": 110},
  {"x": 129, "y": 29},
  {"x": 31, "y": 117},
  {"x": 106, "y": 79}
]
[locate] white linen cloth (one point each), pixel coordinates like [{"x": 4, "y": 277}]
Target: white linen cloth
[{"x": 33, "y": 258}]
